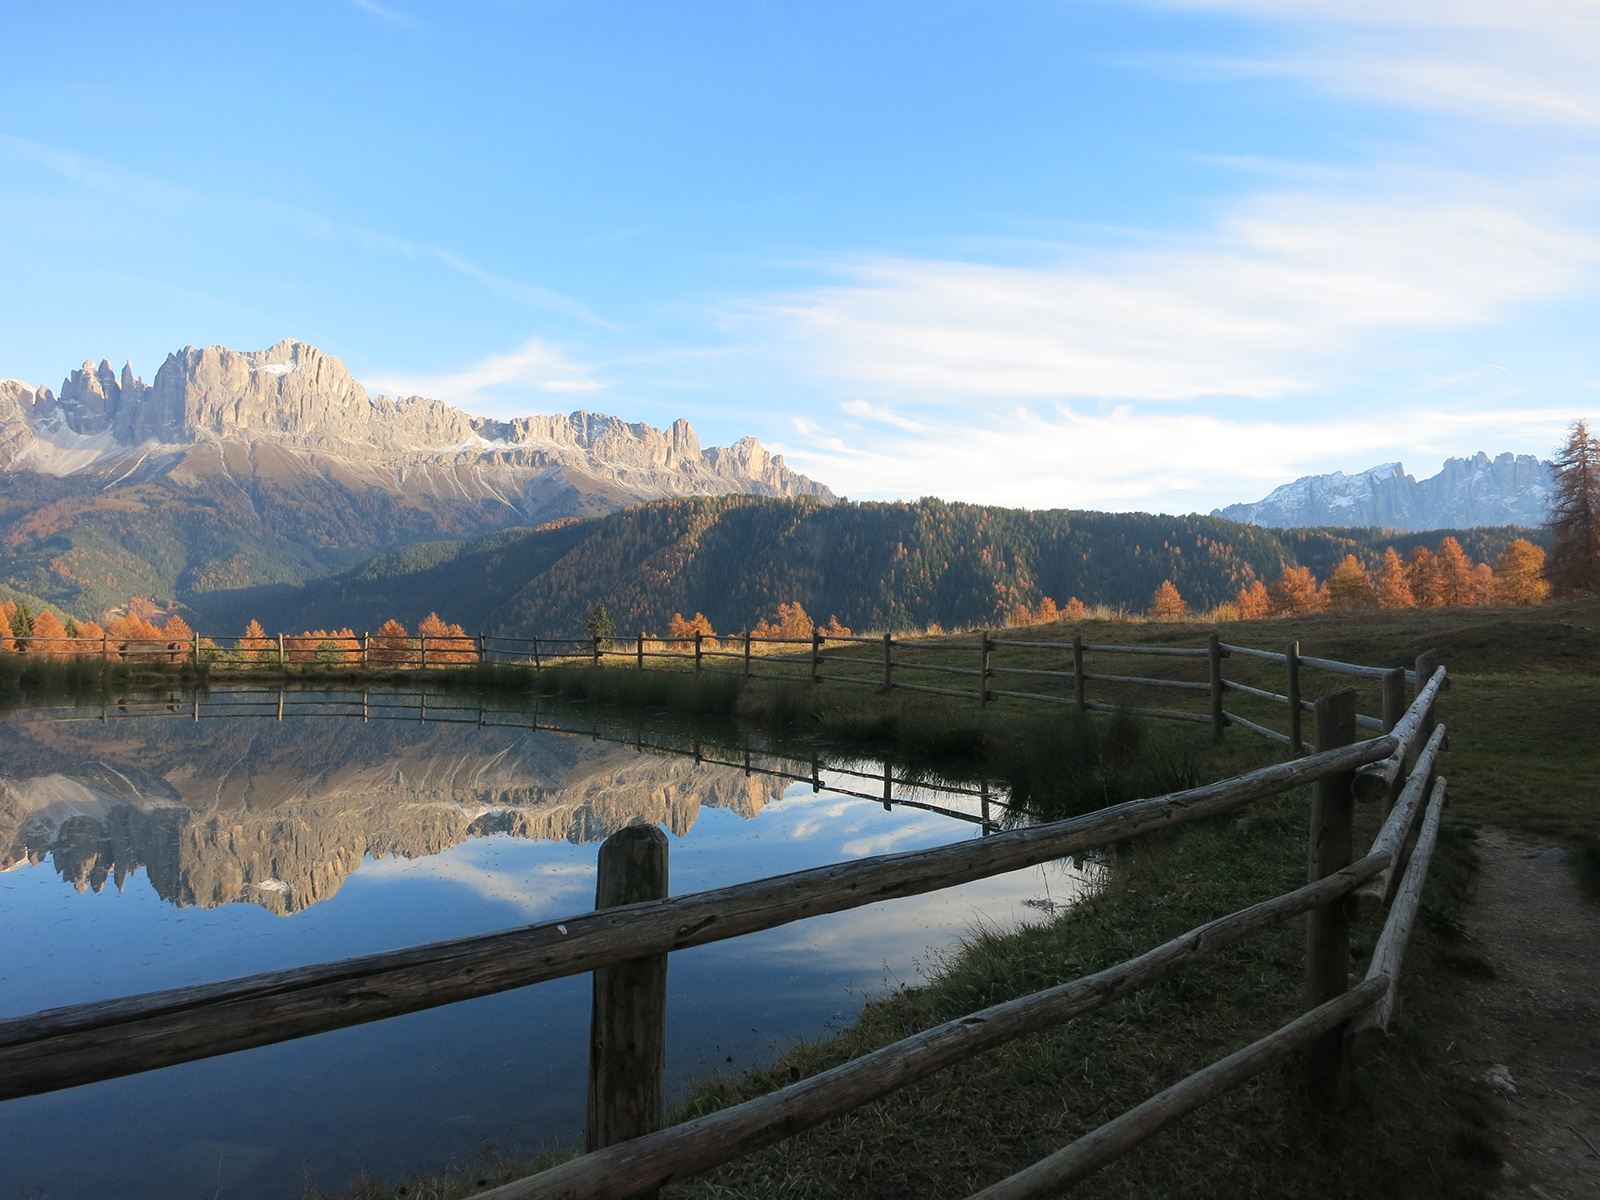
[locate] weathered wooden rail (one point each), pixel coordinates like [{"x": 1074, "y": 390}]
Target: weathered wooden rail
[{"x": 626, "y": 941}]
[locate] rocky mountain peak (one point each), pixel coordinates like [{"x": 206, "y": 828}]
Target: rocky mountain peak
[{"x": 1506, "y": 490}]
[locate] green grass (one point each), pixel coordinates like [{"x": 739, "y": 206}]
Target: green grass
[{"x": 1412, "y": 1127}]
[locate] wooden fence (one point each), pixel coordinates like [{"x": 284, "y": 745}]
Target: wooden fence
[
  {"x": 815, "y": 660},
  {"x": 635, "y": 926}
]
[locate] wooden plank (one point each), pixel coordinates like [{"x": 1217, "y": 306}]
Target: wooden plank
[
  {"x": 1374, "y": 780},
  {"x": 902, "y": 665},
  {"x": 1162, "y": 651},
  {"x": 720, "y": 1137},
  {"x": 1216, "y": 685},
  {"x": 1067, "y": 1166},
  {"x": 628, "y": 1014},
  {"x": 1297, "y": 739},
  {"x": 1251, "y": 652},
  {"x": 1332, "y": 842},
  {"x": 1396, "y": 828},
  {"x": 1372, "y": 1027},
  {"x": 939, "y": 691},
  {"x": 1344, "y": 668},
  {"x": 67, "y": 1046},
  {"x": 1032, "y": 671},
  {"x": 1259, "y": 693},
  {"x": 1260, "y": 730},
  {"x": 1185, "y": 685}
]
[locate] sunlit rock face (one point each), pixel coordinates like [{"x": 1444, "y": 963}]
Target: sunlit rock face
[
  {"x": 279, "y": 815},
  {"x": 1506, "y": 490},
  {"x": 240, "y": 468},
  {"x": 295, "y": 397}
]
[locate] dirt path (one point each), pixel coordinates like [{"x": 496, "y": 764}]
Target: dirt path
[{"x": 1536, "y": 1027}]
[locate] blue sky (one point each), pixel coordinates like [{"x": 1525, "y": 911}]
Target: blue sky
[{"x": 1152, "y": 256}]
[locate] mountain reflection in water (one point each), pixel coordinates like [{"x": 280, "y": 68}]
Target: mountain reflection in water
[
  {"x": 279, "y": 813},
  {"x": 355, "y": 823}
]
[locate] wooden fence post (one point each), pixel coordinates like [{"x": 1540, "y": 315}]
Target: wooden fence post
[
  {"x": 197, "y": 653},
  {"x": 1214, "y": 658},
  {"x": 816, "y": 656},
  {"x": 1427, "y": 664},
  {"x": 536, "y": 663},
  {"x": 105, "y": 647},
  {"x": 281, "y": 659},
  {"x": 888, "y": 662},
  {"x": 747, "y": 654},
  {"x": 1328, "y": 927},
  {"x": 641, "y": 649},
  {"x": 983, "y": 690},
  {"x": 422, "y": 641},
  {"x": 1078, "y": 680},
  {"x": 699, "y": 643},
  {"x": 1394, "y": 698},
  {"x": 483, "y": 648},
  {"x": 1297, "y": 739},
  {"x": 597, "y": 649},
  {"x": 888, "y": 786},
  {"x": 627, "y": 1026}
]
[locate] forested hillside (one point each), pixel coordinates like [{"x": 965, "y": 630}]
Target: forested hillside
[{"x": 874, "y": 566}]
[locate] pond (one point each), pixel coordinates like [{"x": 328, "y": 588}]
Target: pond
[{"x": 150, "y": 844}]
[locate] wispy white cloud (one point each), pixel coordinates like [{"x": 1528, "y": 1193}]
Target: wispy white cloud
[
  {"x": 1150, "y": 457},
  {"x": 1530, "y": 62},
  {"x": 1254, "y": 309},
  {"x": 532, "y": 367}
]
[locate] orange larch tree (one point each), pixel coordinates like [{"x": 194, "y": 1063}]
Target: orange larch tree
[
  {"x": 833, "y": 629},
  {"x": 681, "y": 627},
  {"x": 1520, "y": 576},
  {"x": 791, "y": 622},
  {"x": 446, "y": 643},
  {"x": 1349, "y": 587},
  {"x": 391, "y": 645},
  {"x": 1394, "y": 584},
  {"x": 1166, "y": 604},
  {"x": 1422, "y": 572},
  {"x": 1295, "y": 593},
  {"x": 1075, "y": 609},
  {"x": 1455, "y": 587},
  {"x": 47, "y": 627},
  {"x": 1254, "y": 602}
]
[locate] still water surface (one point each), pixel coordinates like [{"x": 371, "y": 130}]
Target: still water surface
[{"x": 152, "y": 845}]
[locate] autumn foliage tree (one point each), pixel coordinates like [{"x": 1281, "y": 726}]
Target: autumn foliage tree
[
  {"x": 1574, "y": 563},
  {"x": 46, "y": 628},
  {"x": 1519, "y": 578},
  {"x": 681, "y": 627},
  {"x": 1394, "y": 583},
  {"x": 446, "y": 643},
  {"x": 1075, "y": 609},
  {"x": 791, "y": 621},
  {"x": 391, "y": 645},
  {"x": 1166, "y": 604},
  {"x": 1349, "y": 587},
  {"x": 1254, "y": 602},
  {"x": 1295, "y": 594}
]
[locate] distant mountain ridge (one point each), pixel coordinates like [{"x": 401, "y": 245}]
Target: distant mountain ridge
[
  {"x": 1507, "y": 490},
  {"x": 238, "y": 468}
]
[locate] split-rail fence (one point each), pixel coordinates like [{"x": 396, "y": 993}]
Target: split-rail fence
[{"x": 626, "y": 941}]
